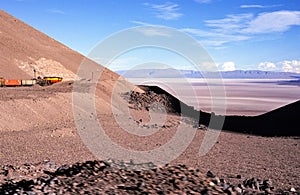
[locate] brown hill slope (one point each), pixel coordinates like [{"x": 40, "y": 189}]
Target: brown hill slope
[
  {"x": 23, "y": 48},
  {"x": 44, "y": 111}
]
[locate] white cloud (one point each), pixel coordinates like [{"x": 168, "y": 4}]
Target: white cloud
[
  {"x": 166, "y": 11},
  {"x": 223, "y": 31},
  {"x": 141, "y": 23},
  {"x": 211, "y": 38},
  {"x": 232, "y": 23},
  {"x": 154, "y": 31},
  {"x": 203, "y": 1},
  {"x": 267, "y": 66},
  {"x": 279, "y": 21},
  {"x": 290, "y": 66},
  {"x": 251, "y": 6},
  {"x": 56, "y": 11},
  {"x": 259, "y": 6},
  {"x": 285, "y": 66},
  {"x": 198, "y": 32},
  {"x": 241, "y": 27},
  {"x": 228, "y": 66},
  {"x": 267, "y": 22}
]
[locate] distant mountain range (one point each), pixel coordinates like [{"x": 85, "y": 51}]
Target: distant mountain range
[{"x": 237, "y": 74}]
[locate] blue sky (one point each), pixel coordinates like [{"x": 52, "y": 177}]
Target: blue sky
[{"x": 237, "y": 34}]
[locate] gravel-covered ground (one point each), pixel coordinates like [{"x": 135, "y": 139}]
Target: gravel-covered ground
[
  {"x": 117, "y": 177},
  {"x": 37, "y": 124}
]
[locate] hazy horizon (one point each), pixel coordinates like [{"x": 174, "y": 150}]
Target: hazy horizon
[{"x": 241, "y": 96}]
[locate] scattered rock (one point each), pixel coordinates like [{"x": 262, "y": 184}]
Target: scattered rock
[
  {"x": 150, "y": 101},
  {"x": 202, "y": 127},
  {"x": 120, "y": 177},
  {"x": 210, "y": 174},
  {"x": 237, "y": 189},
  {"x": 292, "y": 190}
]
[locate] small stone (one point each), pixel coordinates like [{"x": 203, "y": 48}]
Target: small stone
[
  {"x": 202, "y": 127},
  {"x": 31, "y": 193},
  {"x": 256, "y": 185},
  {"x": 225, "y": 186},
  {"x": 121, "y": 186},
  {"x": 210, "y": 174},
  {"x": 268, "y": 191},
  {"x": 267, "y": 183},
  {"x": 239, "y": 176},
  {"x": 241, "y": 186},
  {"x": 237, "y": 189},
  {"x": 229, "y": 191},
  {"x": 292, "y": 190},
  {"x": 211, "y": 183},
  {"x": 216, "y": 180},
  {"x": 222, "y": 180}
]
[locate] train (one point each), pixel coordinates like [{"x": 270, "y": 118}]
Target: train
[{"x": 48, "y": 80}]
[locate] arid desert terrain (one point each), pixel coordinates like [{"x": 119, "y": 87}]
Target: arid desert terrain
[{"x": 42, "y": 150}]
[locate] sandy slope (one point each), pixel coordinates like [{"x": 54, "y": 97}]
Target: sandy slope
[{"x": 23, "y": 49}]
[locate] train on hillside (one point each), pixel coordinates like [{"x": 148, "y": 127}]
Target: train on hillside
[{"x": 40, "y": 81}]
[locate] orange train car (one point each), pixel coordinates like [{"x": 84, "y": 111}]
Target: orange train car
[
  {"x": 16, "y": 82},
  {"x": 12, "y": 83}
]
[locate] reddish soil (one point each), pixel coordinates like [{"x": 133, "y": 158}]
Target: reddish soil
[{"x": 53, "y": 136}]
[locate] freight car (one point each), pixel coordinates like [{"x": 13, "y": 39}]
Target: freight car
[
  {"x": 11, "y": 83},
  {"x": 28, "y": 82}
]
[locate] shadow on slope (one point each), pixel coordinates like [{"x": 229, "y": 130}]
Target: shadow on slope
[{"x": 282, "y": 121}]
